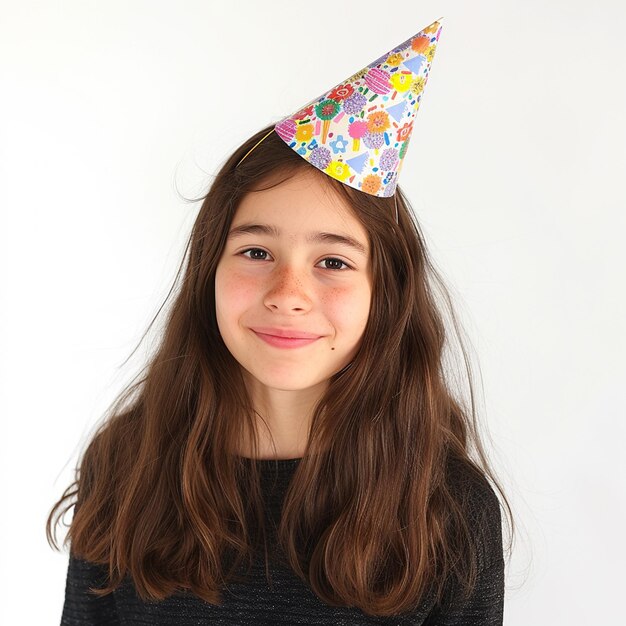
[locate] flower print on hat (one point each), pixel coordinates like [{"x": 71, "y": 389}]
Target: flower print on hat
[{"x": 358, "y": 131}]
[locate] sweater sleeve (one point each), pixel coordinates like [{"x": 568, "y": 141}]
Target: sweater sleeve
[{"x": 81, "y": 607}]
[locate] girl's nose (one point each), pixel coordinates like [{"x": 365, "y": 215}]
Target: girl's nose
[{"x": 288, "y": 289}]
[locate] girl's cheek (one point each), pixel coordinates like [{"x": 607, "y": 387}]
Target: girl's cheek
[
  {"x": 241, "y": 286},
  {"x": 339, "y": 300}
]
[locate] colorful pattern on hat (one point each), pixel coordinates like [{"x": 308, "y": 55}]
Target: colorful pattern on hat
[{"x": 358, "y": 132}]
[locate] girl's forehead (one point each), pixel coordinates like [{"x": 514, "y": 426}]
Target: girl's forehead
[
  {"x": 302, "y": 196},
  {"x": 300, "y": 206},
  {"x": 300, "y": 226}
]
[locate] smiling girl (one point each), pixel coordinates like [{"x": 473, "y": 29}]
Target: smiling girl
[
  {"x": 294, "y": 452},
  {"x": 290, "y": 314}
]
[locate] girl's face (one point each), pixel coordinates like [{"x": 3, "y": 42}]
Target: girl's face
[{"x": 289, "y": 265}]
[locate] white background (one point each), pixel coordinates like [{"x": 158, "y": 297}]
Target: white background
[{"x": 111, "y": 112}]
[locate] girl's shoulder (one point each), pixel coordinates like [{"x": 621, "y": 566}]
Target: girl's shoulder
[
  {"x": 471, "y": 484},
  {"x": 481, "y": 508}
]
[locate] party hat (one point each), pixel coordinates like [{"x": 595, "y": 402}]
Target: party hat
[{"x": 358, "y": 132}]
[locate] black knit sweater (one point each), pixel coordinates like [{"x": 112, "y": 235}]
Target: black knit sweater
[{"x": 288, "y": 600}]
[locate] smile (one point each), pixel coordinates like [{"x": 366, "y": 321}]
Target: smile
[{"x": 284, "y": 342}]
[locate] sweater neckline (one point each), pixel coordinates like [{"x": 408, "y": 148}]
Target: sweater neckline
[
  {"x": 273, "y": 462},
  {"x": 274, "y": 467}
]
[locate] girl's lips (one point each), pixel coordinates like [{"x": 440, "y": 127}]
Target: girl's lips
[
  {"x": 290, "y": 333},
  {"x": 284, "y": 342}
]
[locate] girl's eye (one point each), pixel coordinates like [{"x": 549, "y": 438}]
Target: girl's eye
[{"x": 329, "y": 258}]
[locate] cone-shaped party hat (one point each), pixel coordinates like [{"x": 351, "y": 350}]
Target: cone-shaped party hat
[{"x": 358, "y": 131}]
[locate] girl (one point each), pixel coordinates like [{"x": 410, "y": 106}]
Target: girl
[{"x": 293, "y": 452}]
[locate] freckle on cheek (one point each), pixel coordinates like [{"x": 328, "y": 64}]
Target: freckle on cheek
[{"x": 333, "y": 295}]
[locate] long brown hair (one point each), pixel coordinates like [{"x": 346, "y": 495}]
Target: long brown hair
[{"x": 373, "y": 517}]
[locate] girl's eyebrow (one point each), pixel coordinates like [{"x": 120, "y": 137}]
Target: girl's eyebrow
[{"x": 314, "y": 237}]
